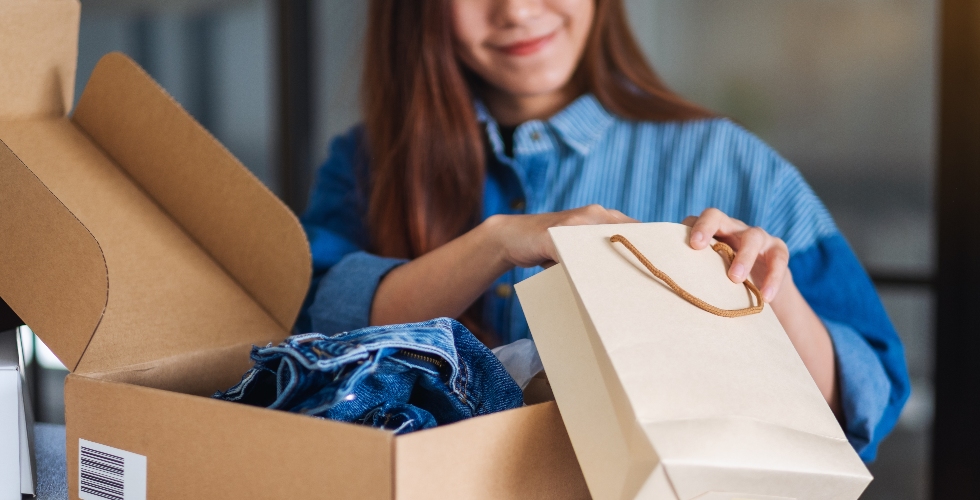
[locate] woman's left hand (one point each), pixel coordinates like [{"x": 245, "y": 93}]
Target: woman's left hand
[
  {"x": 757, "y": 253},
  {"x": 766, "y": 259}
]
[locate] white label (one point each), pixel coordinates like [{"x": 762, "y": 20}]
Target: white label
[{"x": 107, "y": 473}]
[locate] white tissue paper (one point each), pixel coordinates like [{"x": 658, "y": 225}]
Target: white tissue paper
[{"x": 521, "y": 360}]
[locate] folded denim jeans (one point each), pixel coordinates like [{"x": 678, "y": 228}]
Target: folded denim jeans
[{"x": 398, "y": 377}]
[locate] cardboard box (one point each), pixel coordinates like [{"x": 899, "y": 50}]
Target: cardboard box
[{"x": 150, "y": 260}]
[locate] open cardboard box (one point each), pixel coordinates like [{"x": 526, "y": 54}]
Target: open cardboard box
[{"x": 150, "y": 260}]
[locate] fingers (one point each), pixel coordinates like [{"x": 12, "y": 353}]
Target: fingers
[
  {"x": 602, "y": 215},
  {"x": 751, "y": 242},
  {"x": 756, "y": 252},
  {"x": 622, "y": 218},
  {"x": 777, "y": 265},
  {"x": 689, "y": 220},
  {"x": 713, "y": 223},
  {"x": 594, "y": 214}
]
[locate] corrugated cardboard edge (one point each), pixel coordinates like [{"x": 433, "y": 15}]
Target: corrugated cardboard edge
[
  {"x": 67, "y": 321},
  {"x": 265, "y": 251},
  {"x": 195, "y": 180},
  {"x": 200, "y": 373}
]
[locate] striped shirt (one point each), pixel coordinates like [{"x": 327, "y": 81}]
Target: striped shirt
[{"x": 651, "y": 171}]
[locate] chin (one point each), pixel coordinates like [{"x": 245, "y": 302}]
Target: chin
[{"x": 526, "y": 85}]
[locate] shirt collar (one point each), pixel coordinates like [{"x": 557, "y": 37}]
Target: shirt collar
[{"x": 580, "y": 125}]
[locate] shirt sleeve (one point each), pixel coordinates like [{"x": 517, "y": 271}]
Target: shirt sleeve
[
  {"x": 345, "y": 275},
  {"x": 872, "y": 374},
  {"x": 871, "y": 370}
]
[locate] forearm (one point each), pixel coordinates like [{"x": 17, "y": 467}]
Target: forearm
[
  {"x": 443, "y": 282},
  {"x": 810, "y": 338}
]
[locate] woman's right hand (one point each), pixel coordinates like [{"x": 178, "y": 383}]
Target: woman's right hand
[
  {"x": 444, "y": 282},
  {"x": 523, "y": 240}
]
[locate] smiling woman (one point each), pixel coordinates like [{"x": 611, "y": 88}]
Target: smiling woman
[
  {"x": 427, "y": 176},
  {"x": 526, "y": 55},
  {"x": 423, "y": 211}
]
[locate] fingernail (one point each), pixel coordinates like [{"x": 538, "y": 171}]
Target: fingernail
[
  {"x": 738, "y": 270},
  {"x": 696, "y": 237},
  {"x": 768, "y": 293}
]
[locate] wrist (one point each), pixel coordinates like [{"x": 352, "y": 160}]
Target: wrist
[
  {"x": 788, "y": 286},
  {"x": 491, "y": 236}
]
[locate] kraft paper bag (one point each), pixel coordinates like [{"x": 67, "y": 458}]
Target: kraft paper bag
[{"x": 665, "y": 400}]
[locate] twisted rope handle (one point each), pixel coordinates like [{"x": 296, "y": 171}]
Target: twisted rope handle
[{"x": 718, "y": 247}]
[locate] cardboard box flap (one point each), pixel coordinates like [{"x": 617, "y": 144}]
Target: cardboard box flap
[
  {"x": 199, "y": 183},
  {"x": 198, "y": 254},
  {"x": 67, "y": 290},
  {"x": 38, "y": 49}
]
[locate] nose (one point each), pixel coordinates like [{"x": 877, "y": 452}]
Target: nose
[{"x": 510, "y": 13}]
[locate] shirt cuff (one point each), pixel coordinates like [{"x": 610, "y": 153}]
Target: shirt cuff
[
  {"x": 864, "y": 387},
  {"x": 344, "y": 297}
]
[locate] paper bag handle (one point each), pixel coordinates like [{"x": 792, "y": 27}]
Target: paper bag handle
[{"x": 718, "y": 247}]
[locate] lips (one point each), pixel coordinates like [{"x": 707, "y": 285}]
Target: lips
[{"x": 527, "y": 47}]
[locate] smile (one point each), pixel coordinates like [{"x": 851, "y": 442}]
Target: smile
[{"x": 527, "y": 47}]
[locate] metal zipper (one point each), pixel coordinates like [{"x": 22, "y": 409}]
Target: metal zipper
[{"x": 421, "y": 357}]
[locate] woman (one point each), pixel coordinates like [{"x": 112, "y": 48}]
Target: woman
[{"x": 488, "y": 121}]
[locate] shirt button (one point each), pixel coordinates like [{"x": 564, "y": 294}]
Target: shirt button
[
  {"x": 504, "y": 291},
  {"x": 535, "y": 136},
  {"x": 518, "y": 205}
]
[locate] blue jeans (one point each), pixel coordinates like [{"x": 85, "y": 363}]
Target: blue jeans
[{"x": 399, "y": 377}]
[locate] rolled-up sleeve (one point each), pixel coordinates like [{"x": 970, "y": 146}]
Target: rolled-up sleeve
[
  {"x": 343, "y": 300},
  {"x": 872, "y": 373},
  {"x": 864, "y": 385},
  {"x": 873, "y": 376},
  {"x": 345, "y": 275}
]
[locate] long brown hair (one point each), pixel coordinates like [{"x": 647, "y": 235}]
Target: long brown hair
[{"x": 424, "y": 147}]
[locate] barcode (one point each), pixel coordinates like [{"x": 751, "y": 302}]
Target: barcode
[
  {"x": 107, "y": 473},
  {"x": 102, "y": 474}
]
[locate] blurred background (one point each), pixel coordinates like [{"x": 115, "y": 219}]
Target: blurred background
[{"x": 846, "y": 90}]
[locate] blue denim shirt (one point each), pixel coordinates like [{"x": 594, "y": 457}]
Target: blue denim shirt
[
  {"x": 400, "y": 377},
  {"x": 651, "y": 171}
]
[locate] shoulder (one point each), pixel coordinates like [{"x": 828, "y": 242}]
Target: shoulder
[
  {"x": 736, "y": 171},
  {"x": 345, "y": 161},
  {"x": 715, "y": 150},
  {"x": 348, "y": 145},
  {"x": 340, "y": 175},
  {"x": 717, "y": 139},
  {"x": 718, "y": 129}
]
